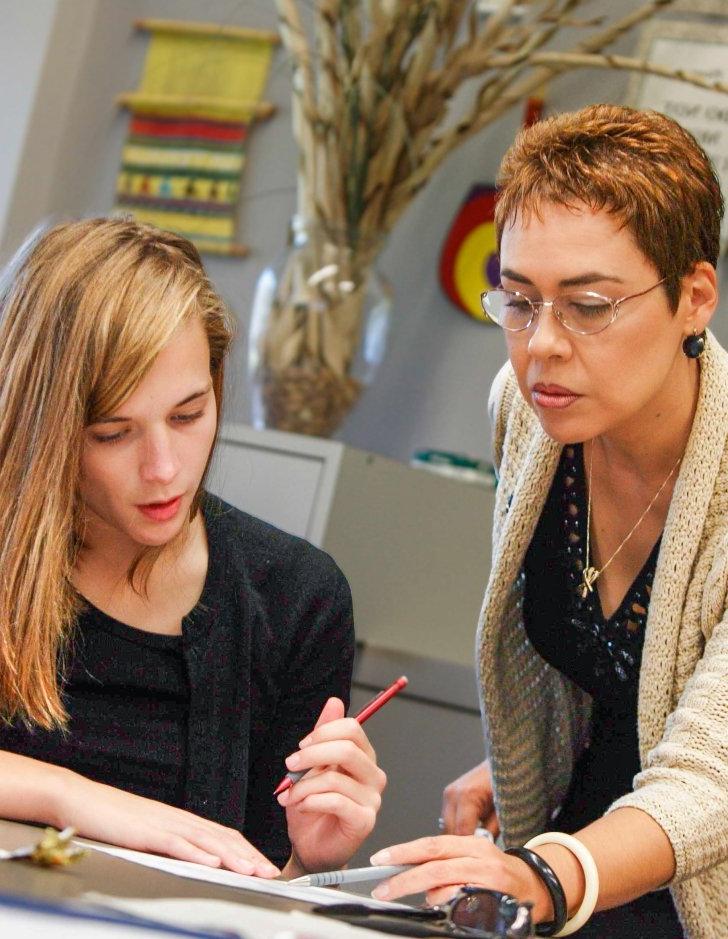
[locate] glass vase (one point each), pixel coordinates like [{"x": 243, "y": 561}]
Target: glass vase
[{"x": 318, "y": 332}]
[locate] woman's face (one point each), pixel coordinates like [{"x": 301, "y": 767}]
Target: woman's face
[
  {"x": 583, "y": 386},
  {"x": 141, "y": 466}
]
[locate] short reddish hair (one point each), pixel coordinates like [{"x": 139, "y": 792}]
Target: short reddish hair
[{"x": 642, "y": 166}]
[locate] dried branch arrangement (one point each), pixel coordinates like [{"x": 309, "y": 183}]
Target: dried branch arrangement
[{"x": 372, "y": 84}]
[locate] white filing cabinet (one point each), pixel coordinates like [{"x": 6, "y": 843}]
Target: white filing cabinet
[{"x": 415, "y": 548}]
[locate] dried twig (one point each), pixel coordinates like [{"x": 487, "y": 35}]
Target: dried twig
[{"x": 371, "y": 97}]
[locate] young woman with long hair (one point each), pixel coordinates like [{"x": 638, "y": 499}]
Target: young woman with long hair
[{"x": 163, "y": 656}]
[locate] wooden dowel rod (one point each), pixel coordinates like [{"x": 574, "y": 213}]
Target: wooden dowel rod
[{"x": 207, "y": 29}]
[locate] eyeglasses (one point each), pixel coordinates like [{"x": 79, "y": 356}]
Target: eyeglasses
[
  {"x": 473, "y": 913},
  {"x": 583, "y": 312}
]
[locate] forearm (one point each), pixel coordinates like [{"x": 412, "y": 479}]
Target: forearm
[
  {"x": 31, "y": 790},
  {"x": 632, "y": 853}
]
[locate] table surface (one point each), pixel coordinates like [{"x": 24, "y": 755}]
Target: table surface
[{"x": 114, "y": 877}]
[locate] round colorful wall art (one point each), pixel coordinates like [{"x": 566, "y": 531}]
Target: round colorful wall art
[{"x": 469, "y": 259}]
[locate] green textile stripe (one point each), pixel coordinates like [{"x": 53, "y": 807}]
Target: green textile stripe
[
  {"x": 184, "y": 143},
  {"x": 187, "y": 171}
]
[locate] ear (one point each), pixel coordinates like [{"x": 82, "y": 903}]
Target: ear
[{"x": 699, "y": 297}]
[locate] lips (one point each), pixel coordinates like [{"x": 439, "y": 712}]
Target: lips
[
  {"x": 553, "y": 396},
  {"x": 161, "y": 511}
]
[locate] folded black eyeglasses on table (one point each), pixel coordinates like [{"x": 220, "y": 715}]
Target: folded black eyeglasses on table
[{"x": 473, "y": 913}]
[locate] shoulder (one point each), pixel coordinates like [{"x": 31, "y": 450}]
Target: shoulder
[{"x": 258, "y": 551}]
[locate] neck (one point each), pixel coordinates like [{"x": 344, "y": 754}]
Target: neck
[
  {"x": 107, "y": 558},
  {"x": 653, "y": 439}
]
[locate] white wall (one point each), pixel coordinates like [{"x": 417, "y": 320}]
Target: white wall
[
  {"x": 432, "y": 388},
  {"x": 24, "y": 36}
]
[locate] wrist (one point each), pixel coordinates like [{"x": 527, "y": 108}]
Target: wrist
[
  {"x": 52, "y": 802},
  {"x": 535, "y": 891},
  {"x": 569, "y": 871}
]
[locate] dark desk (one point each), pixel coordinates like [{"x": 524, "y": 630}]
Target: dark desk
[{"x": 114, "y": 877}]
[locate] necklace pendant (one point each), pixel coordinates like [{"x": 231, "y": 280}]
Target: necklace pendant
[{"x": 588, "y": 578}]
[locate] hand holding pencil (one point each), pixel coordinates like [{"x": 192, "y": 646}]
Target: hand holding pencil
[
  {"x": 366, "y": 712},
  {"x": 333, "y": 806}
]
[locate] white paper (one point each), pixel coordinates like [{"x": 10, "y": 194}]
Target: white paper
[{"x": 214, "y": 875}]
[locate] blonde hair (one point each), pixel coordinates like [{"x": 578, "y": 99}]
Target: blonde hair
[
  {"x": 85, "y": 308},
  {"x": 641, "y": 165}
]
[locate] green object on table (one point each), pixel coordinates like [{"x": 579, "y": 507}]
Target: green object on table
[{"x": 455, "y": 465}]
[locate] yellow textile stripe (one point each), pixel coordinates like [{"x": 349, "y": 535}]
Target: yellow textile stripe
[
  {"x": 176, "y": 187},
  {"x": 217, "y": 66},
  {"x": 166, "y": 158},
  {"x": 228, "y": 248},
  {"x": 195, "y": 227},
  {"x": 216, "y": 109}
]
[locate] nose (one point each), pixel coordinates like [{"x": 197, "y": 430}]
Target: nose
[
  {"x": 549, "y": 337},
  {"x": 159, "y": 461}
]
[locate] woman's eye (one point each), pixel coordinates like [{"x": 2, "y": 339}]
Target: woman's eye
[
  {"x": 590, "y": 309},
  {"x": 108, "y": 438},
  {"x": 187, "y": 418}
]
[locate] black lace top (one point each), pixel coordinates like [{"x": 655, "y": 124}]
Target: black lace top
[{"x": 602, "y": 655}]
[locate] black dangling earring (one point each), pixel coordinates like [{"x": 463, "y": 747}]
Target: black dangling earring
[{"x": 694, "y": 346}]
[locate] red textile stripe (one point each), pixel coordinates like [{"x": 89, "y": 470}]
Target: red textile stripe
[{"x": 207, "y": 130}]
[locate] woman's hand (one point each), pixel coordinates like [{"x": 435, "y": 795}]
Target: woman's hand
[
  {"x": 334, "y": 807},
  {"x": 448, "y": 862},
  {"x": 111, "y": 815},
  {"x": 467, "y": 802}
]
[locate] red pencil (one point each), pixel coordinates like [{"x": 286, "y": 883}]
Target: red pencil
[{"x": 366, "y": 712}]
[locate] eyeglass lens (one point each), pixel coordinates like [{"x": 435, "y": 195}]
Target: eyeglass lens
[{"x": 581, "y": 312}]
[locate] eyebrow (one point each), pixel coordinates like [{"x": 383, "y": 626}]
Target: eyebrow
[
  {"x": 581, "y": 280},
  {"x": 193, "y": 397}
]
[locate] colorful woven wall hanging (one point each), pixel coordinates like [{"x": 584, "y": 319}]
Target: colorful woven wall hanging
[{"x": 199, "y": 96}]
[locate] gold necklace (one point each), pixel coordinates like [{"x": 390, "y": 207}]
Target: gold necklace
[{"x": 590, "y": 574}]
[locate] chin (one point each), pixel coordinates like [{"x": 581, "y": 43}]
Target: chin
[
  {"x": 157, "y": 538},
  {"x": 564, "y": 431}
]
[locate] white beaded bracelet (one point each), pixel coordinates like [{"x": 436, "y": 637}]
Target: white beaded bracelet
[{"x": 591, "y": 875}]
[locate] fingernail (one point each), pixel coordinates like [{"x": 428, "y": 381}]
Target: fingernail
[
  {"x": 293, "y": 761},
  {"x": 283, "y": 797},
  {"x": 381, "y": 857},
  {"x": 305, "y": 742},
  {"x": 381, "y": 892}
]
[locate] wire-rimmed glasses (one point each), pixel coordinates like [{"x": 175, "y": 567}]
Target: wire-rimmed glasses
[
  {"x": 473, "y": 913},
  {"x": 583, "y": 312}
]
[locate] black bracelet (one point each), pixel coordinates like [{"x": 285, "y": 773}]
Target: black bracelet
[{"x": 552, "y": 884}]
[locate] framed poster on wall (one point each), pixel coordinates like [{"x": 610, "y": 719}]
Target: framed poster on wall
[
  {"x": 701, "y": 48},
  {"x": 710, "y": 7}
]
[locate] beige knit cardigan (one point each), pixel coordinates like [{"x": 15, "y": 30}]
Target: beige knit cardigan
[{"x": 536, "y": 721}]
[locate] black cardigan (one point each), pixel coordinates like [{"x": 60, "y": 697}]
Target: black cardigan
[{"x": 205, "y": 720}]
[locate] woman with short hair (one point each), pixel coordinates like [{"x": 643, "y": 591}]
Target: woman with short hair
[{"x": 603, "y": 638}]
